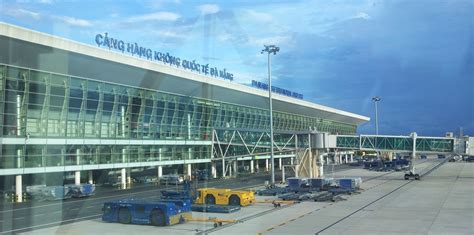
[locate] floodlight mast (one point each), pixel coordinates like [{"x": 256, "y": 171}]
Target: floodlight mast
[
  {"x": 376, "y": 99},
  {"x": 269, "y": 49}
]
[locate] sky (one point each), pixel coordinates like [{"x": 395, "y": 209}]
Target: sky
[{"x": 417, "y": 56}]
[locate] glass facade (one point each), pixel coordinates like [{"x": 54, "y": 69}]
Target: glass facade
[{"x": 43, "y": 105}]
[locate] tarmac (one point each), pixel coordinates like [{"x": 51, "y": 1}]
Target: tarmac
[{"x": 440, "y": 203}]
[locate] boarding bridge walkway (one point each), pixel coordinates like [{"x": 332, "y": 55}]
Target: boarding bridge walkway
[{"x": 423, "y": 144}]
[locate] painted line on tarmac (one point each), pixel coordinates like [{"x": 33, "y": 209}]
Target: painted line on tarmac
[
  {"x": 48, "y": 224},
  {"x": 288, "y": 221},
  {"x": 19, "y": 217}
]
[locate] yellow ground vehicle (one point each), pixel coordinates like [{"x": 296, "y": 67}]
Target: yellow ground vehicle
[{"x": 224, "y": 197}]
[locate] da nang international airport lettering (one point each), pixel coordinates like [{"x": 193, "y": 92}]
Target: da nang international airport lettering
[
  {"x": 166, "y": 58},
  {"x": 278, "y": 90}
]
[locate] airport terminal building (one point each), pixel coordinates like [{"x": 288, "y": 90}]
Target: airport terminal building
[{"x": 71, "y": 107}]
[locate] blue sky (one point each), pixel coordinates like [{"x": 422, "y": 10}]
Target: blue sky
[{"x": 418, "y": 56}]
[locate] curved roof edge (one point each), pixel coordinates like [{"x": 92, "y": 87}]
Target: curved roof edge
[{"x": 24, "y": 34}]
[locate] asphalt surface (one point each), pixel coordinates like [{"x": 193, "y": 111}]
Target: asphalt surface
[{"x": 31, "y": 215}]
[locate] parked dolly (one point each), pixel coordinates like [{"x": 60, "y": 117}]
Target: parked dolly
[
  {"x": 346, "y": 185},
  {"x": 81, "y": 190},
  {"x": 158, "y": 213},
  {"x": 272, "y": 191},
  {"x": 43, "y": 192},
  {"x": 410, "y": 175}
]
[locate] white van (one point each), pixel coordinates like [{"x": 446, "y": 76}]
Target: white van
[{"x": 171, "y": 179}]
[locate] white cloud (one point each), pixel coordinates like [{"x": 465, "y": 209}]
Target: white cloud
[
  {"x": 158, "y": 16},
  {"x": 46, "y": 1},
  {"x": 258, "y": 16},
  {"x": 275, "y": 40},
  {"x": 74, "y": 21},
  {"x": 160, "y": 4},
  {"x": 362, "y": 15},
  {"x": 168, "y": 34},
  {"x": 21, "y": 13},
  {"x": 224, "y": 37},
  {"x": 208, "y": 9},
  {"x": 114, "y": 15}
]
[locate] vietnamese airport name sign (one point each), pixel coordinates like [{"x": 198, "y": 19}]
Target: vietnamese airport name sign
[
  {"x": 277, "y": 90},
  {"x": 136, "y": 50}
]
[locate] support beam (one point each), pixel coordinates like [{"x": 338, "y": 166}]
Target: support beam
[
  {"x": 77, "y": 177},
  {"x": 235, "y": 166},
  {"x": 189, "y": 126},
  {"x": 279, "y": 163},
  {"x": 310, "y": 156},
  {"x": 188, "y": 170},
  {"x": 266, "y": 164},
  {"x": 321, "y": 166},
  {"x": 18, "y": 115},
  {"x": 413, "y": 154},
  {"x": 223, "y": 166},
  {"x": 257, "y": 167},
  {"x": 252, "y": 166},
  {"x": 292, "y": 160},
  {"x": 352, "y": 157},
  {"x": 213, "y": 170},
  {"x": 19, "y": 188},
  {"x": 160, "y": 171},
  {"x": 91, "y": 177},
  {"x": 78, "y": 156},
  {"x": 123, "y": 178},
  {"x": 129, "y": 176},
  {"x": 124, "y": 155},
  {"x": 18, "y": 159},
  {"x": 283, "y": 179}
]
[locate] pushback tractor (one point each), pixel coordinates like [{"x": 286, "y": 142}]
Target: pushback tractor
[{"x": 158, "y": 213}]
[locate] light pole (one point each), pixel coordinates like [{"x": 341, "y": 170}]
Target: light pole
[
  {"x": 376, "y": 99},
  {"x": 269, "y": 50}
]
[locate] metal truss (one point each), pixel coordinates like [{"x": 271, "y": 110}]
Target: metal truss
[
  {"x": 253, "y": 145},
  {"x": 230, "y": 144}
]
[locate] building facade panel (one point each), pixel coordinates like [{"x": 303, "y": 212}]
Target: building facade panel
[{"x": 65, "y": 109}]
